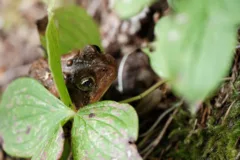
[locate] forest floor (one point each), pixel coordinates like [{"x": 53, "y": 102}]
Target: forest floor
[{"x": 167, "y": 130}]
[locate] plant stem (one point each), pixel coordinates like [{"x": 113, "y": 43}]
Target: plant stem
[
  {"x": 145, "y": 93},
  {"x": 55, "y": 63}
]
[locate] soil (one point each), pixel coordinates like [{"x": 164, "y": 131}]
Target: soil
[{"x": 177, "y": 131}]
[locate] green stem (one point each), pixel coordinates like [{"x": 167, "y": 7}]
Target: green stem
[
  {"x": 55, "y": 63},
  {"x": 145, "y": 93}
]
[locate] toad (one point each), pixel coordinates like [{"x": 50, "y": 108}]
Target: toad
[{"x": 88, "y": 73}]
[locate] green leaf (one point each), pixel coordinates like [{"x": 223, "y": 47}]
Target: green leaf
[
  {"x": 105, "y": 130},
  {"x": 29, "y": 116},
  {"x": 128, "y": 8},
  {"x": 52, "y": 38},
  {"x": 53, "y": 148},
  {"x": 194, "y": 46},
  {"x": 76, "y": 29}
]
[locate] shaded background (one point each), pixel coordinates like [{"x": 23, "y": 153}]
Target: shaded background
[{"x": 20, "y": 46}]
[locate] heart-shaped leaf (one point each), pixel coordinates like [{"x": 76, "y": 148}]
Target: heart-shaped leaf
[
  {"x": 105, "y": 130},
  {"x": 194, "y": 46},
  {"x": 29, "y": 116},
  {"x": 128, "y": 8},
  {"x": 53, "y": 148}
]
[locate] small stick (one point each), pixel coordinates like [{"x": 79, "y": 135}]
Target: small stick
[
  {"x": 150, "y": 148},
  {"x": 227, "y": 113},
  {"x": 148, "y": 133},
  {"x": 161, "y": 117}
]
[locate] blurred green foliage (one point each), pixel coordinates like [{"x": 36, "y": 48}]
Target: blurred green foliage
[
  {"x": 76, "y": 29},
  {"x": 194, "y": 46},
  {"x": 128, "y": 8}
]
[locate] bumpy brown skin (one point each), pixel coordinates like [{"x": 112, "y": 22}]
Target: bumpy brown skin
[{"x": 75, "y": 66}]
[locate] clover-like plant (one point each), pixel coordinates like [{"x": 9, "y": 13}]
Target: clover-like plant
[{"x": 32, "y": 119}]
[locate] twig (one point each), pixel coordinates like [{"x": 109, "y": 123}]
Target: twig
[
  {"x": 227, "y": 79},
  {"x": 145, "y": 93},
  {"x": 204, "y": 115},
  {"x": 150, "y": 131},
  {"x": 238, "y": 156},
  {"x": 151, "y": 147},
  {"x": 161, "y": 117},
  {"x": 193, "y": 129},
  {"x": 227, "y": 113},
  {"x": 120, "y": 72}
]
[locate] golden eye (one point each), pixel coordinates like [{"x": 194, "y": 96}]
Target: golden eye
[{"x": 86, "y": 84}]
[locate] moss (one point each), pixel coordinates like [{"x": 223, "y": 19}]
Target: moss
[
  {"x": 214, "y": 134},
  {"x": 215, "y": 141}
]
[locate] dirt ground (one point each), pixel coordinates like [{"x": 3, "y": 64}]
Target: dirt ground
[{"x": 20, "y": 46}]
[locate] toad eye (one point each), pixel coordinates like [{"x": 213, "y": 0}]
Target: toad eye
[{"x": 86, "y": 84}]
